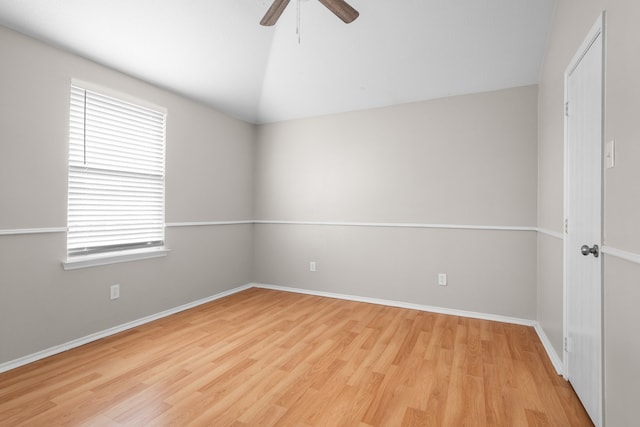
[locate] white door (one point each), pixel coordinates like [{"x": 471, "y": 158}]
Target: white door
[{"x": 583, "y": 215}]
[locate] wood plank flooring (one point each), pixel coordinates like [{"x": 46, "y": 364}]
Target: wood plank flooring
[{"x": 269, "y": 358}]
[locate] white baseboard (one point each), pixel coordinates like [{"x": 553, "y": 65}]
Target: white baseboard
[
  {"x": 556, "y": 361},
  {"x": 400, "y": 304},
  {"x": 12, "y": 364},
  {"x": 551, "y": 353}
]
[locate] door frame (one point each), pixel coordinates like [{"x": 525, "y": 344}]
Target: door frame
[{"x": 597, "y": 30}]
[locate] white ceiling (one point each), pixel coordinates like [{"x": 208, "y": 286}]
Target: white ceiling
[{"x": 215, "y": 51}]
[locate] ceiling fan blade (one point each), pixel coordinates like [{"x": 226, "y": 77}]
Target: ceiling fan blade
[
  {"x": 341, "y": 9},
  {"x": 274, "y": 12}
]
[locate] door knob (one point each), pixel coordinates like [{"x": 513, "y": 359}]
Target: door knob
[{"x": 586, "y": 250}]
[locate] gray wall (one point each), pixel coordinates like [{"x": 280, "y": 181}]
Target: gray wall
[
  {"x": 573, "y": 19},
  {"x": 468, "y": 160},
  {"x": 209, "y": 178}
]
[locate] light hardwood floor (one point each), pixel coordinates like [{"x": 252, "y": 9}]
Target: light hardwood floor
[{"x": 263, "y": 358}]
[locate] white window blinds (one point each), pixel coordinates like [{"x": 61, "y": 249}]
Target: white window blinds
[{"x": 116, "y": 175}]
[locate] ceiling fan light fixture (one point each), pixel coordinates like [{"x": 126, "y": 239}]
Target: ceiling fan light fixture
[{"x": 340, "y": 8}]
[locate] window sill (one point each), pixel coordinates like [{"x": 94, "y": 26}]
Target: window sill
[{"x": 112, "y": 258}]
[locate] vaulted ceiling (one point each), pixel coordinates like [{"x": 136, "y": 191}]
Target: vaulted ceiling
[{"x": 216, "y": 52}]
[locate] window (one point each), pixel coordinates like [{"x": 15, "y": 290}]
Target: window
[{"x": 116, "y": 176}]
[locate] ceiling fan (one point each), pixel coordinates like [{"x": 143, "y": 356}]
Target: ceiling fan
[{"x": 339, "y": 7}]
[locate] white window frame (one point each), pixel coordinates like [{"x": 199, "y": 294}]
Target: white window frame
[{"x": 93, "y": 157}]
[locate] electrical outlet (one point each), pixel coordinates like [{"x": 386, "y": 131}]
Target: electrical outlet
[
  {"x": 442, "y": 279},
  {"x": 312, "y": 266},
  {"x": 115, "y": 291}
]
